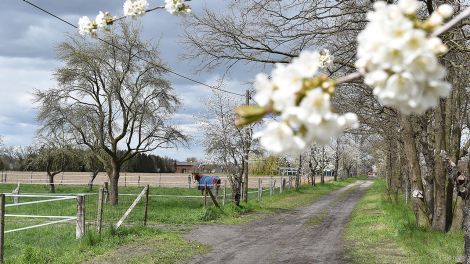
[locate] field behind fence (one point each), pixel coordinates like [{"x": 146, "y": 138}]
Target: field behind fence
[{"x": 126, "y": 179}]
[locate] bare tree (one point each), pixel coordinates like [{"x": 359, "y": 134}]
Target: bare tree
[{"x": 111, "y": 100}]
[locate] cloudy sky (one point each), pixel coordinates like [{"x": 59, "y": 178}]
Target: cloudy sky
[{"x": 27, "y": 61}]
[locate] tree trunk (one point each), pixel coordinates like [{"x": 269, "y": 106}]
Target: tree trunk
[
  {"x": 51, "y": 182},
  {"x": 466, "y": 228},
  {"x": 113, "y": 182},
  {"x": 92, "y": 179},
  {"x": 236, "y": 188},
  {"x": 419, "y": 205},
  {"x": 440, "y": 180}
]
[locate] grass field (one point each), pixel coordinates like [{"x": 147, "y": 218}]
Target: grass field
[
  {"x": 380, "y": 232},
  {"x": 57, "y": 244}
]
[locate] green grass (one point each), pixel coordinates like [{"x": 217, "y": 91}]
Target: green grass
[
  {"x": 380, "y": 232},
  {"x": 57, "y": 244}
]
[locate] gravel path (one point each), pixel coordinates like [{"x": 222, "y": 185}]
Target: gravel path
[{"x": 285, "y": 237}]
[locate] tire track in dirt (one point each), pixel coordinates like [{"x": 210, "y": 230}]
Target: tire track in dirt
[{"x": 284, "y": 237}]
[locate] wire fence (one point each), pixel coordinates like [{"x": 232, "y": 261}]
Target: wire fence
[{"x": 30, "y": 211}]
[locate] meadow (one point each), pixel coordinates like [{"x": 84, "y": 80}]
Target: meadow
[{"x": 168, "y": 219}]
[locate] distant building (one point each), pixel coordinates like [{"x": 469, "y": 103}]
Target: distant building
[{"x": 185, "y": 167}]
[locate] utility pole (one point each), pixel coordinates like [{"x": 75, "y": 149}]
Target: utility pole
[
  {"x": 247, "y": 151},
  {"x": 297, "y": 179}
]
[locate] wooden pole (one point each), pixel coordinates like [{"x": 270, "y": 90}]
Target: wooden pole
[
  {"x": 80, "y": 228},
  {"x": 125, "y": 179},
  {"x": 225, "y": 192},
  {"x": 189, "y": 181},
  {"x": 106, "y": 192},
  {"x": 31, "y": 178},
  {"x": 2, "y": 175},
  {"x": 129, "y": 210},
  {"x": 214, "y": 200},
  {"x": 146, "y": 204},
  {"x": 280, "y": 185},
  {"x": 99, "y": 217},
  {"x": 138, "y": 181},
  {"x": 205, "y": 196},
  {"x": 271, "y": 186},
  {"x": 16, "y": 199},
  {"x": 2, "y": 226},
  {"x": 259, "y": 189}
]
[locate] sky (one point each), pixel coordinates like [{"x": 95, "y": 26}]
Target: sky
[{"x": 27, "y": 62}]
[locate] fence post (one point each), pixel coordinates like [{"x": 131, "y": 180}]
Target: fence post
[
  {"x": 2, "y": 226},
  {"x": 271, "y": 186},
  {"x": 146, "y": 204},
  {"x": 125, "y": 179},
  {"x": 138, "y": 181},
  {"x": 2, "y": 175},
  {"x": 62, "y": 178},
  {"x": 290, "y": 182},
  {"x": 99, "y": 218},
  {"x": 80, "y": 228},
  {"x": 6, "y": 177},
  {"x": 259, "y": 189},
  {"x": 31, "y": 179},
  {"x": 106, "y": 192},
  {"x": 189, "y": 181},
  {"x": 205, "y": 196},
  {"x": 225, "y": 192},
  {"x": 16, "y": 191}
]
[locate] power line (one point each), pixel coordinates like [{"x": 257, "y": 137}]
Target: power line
[{"x": 143, "y": 59}]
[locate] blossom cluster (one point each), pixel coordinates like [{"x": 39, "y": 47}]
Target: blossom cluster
[
  {"x": 301, "y": 97},
  {"x": 135, "y": 8},
  {"x": 177, "y": 7},
  {"x": 86, "y": 26},
  {"x": 398, "y": 58},
  {"x": 131, "y": 8}
]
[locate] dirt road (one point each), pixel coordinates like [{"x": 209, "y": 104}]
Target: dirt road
[{"x": 311, "y": 234}]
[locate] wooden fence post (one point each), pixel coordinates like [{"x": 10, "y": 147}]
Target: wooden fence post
[
  {"x": 125, "y": 179},
  {"x": 62, "y": 178},
  {"x": 99, "y": 217},
  {"x": 80, "y": 228},
  {"x": 290, "y": 182},
  {"x": 106, "y": 192},
  {"x": 189, "y": 181},
  {"x": 225, "y": 192},
  {"x": 138, "y": 181},
  {"x": 205, "y": 196},
  {"x": 146, "y": 204},
  {"x": 31, "y": 178},
  {"x": 2, "y": 175},
  {"x": 2, "y": 226},
  {"x": 259, "y": 189},
  {"x": 271, "y": 186},
  {"x": 16, "y": 191}
]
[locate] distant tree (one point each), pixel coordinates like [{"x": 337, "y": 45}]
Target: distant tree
[
  {"x": 109, "y": 99},
  {"x": 225, "y": 143}
]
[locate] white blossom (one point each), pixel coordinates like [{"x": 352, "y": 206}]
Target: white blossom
[
  {"x": 326, "y": 59},
  {"x": 302, "y": 100},
  {"x": 279, "y": 137},
  {"x": 134, "y": 8},
  {"x": 102, "y": 19},
  {"x": 86, "y": 26},
  {"x": 177, "y": 7},
  {"x": 306, "y": 65},
  {"x": 445, "y": 10},
  {"x": 264, "y": 89},
  {"x": 399, "y": 60}
]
